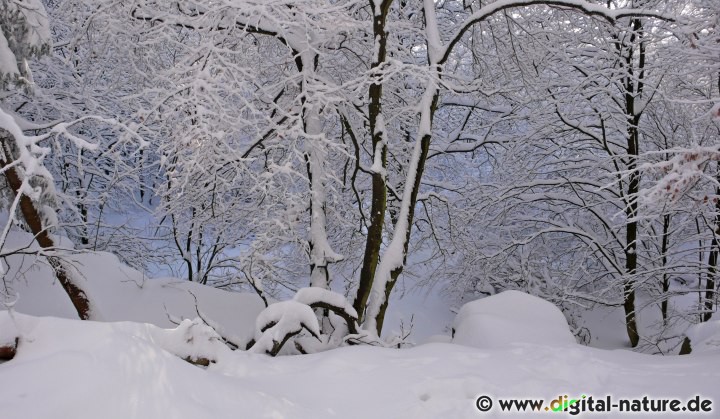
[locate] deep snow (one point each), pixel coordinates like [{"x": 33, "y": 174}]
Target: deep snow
[
  {"x": 510, "y": 345},
  {"x": 73, "y": 369}
]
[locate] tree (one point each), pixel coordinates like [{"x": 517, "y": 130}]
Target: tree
[
  {"x": 25, "y": 34},
  {"x": 280, "y": 128}
]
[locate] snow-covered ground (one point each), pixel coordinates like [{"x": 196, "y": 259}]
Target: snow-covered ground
[
  {"x": 131, "y": 365},
  {"x": 73, "y": 369}
]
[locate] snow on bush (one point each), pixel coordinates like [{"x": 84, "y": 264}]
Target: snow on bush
[
  {"x": 705, "y": 337},
  {"x": 281, "y": 321},
  {"x": 510, "y": 317}
]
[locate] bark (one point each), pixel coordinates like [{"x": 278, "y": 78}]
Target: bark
[
  {"x": 633, "y": 89},
  {"x": 666, "y": 277},
  {"x": 33, "y": 219},
  {"x": 395, "y": 274},
  {"x": 631, "y": 229},
  {"x": 379, "y": 191},
  {"x": 686, "y": 347},
  {"x": 390, "y": 267},
  {"x": 321, "y": 253},
  {"x": 712, "y": 263}
]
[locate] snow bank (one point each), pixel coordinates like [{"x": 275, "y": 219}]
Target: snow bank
[
  {"x": 125, "y": 294},
  {"x": 510, "y": 317},
  {"x": 705, "y": 337}
]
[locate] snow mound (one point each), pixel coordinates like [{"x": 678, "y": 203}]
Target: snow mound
[
  {"x": 705, "y": 337},
  {"x": 8, "y": 331},
  {"x": 192, "y": 340},
  {"x": 510, "y": 317}
]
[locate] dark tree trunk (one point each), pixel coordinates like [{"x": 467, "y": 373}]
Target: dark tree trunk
[
  {"x": 425, "y": 147},
  {"x": 379, "y": 189},
  {"x": 666, "y": 277},
  {"x": 633, "y": 85},
  {"x": 34, "y": 221},
  {"x": 712, "y": 262}
]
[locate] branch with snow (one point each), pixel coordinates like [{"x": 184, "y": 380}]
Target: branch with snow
[
  {"x": 281, "y": 321},
  {"x": 25, "y": 33},
  {"x": 679, "y": 174},
  {"x": 317, "y": 297}
]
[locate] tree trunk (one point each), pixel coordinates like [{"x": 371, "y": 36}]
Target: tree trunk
[
  {"x": 633, "y": 89},
  {"x": 425, "y": 147},
  {"x": 666, "y": 277},
  {"x": 34, "y": 220},
  {"x": 379, "y": 191},
  {"x": 712, "y": 262}
]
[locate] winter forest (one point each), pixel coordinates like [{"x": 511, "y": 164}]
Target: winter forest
[{"x": 406, "y": 202}]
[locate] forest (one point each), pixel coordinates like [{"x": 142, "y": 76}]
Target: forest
[
  {"x": 563, "y": 148},
  {"x": 189, "y": 186},
  {"x": 319, "y": 155}
]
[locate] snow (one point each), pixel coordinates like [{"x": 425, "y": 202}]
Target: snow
[
  {"x": 8, "y": 331},
  {"x": 8, "y": 63},
  {"x": 315, "y": 295},
  {"x": 511, "y": 317},
  {"x": 394, "y": 256},
  {"x": 507, "y": 345},
  {"x": 705, "y": 337},
  {"x": 282, "y": 319},
  {"x": 192, "y": 339},
  {"x": 125, "y": 294},
  {"x": 75, "y": 369},
  {"x": 33, "y": 38},
  {"x": 133, "y": 364},
  {"x": 38, "y": 35}
]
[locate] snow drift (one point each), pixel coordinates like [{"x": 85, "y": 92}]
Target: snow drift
[{"x": 510, "y": 317}]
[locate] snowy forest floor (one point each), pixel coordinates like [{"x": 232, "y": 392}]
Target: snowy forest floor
[{"x": 120, "y": 368}]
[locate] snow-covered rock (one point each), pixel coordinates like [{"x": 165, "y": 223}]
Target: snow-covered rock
[{"x": 510, "y": 317}]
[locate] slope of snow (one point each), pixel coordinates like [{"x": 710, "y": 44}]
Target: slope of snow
[
  {"x": 124, "y": 294},
  {"x": 75, "y": 369},
  {"x": 519, "y": 347}
]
